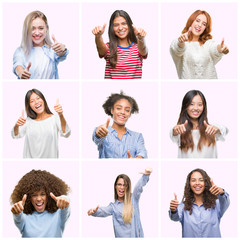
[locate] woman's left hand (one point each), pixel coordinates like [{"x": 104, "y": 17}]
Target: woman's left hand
[
  {"x": 61, "y": 202},
  {"x": 139, "y": 32},
  {"x": 58, "y": 108},
  {"x": 59, "y": 48},
  {"x": 215, "y": 190},
  {"x": 210, "y": 130},
  {"x": 222, "y": 48},
  {"x": 147, "y": 171}
]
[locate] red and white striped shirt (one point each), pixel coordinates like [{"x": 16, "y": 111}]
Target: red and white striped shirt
[{"x": 129, "y": 63}]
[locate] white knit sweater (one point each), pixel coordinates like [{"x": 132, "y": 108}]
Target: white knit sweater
[{"x": 195, "y": 61}]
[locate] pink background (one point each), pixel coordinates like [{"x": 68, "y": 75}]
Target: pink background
[
  {"x": 63, "y": 20},
  {"x": 13, "y": 171},
  {"x": 14, "y": 101},
  {"x": 224, "y": 24},
  {"x": 221, "y": 104},
  {"x": 98, "y": 179},
  {"x": 93, "y": 115},
  {"x": 143, "y": 15},
  {"x": 173, "y": 178}
]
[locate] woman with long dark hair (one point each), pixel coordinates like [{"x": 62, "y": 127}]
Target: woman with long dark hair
[
  {"x": 125, "y": 210},
  {"x": 194, "y": 53},
  {"x": 126, "y": 48},
  {"x": 202, "y": 207},
  {"x": 195, "y": 137},
  {"x": 41, "y": 127}
]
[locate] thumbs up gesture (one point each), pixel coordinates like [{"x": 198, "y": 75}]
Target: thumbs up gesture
[
  {"x": 222, "y": 48},
  {"x": 92, "y": 211},
  {"x": 26, "y": 74},
  {"x": 210, "y": 130},
  {"x": 61, "y": 202},
  {"x": 184, "y": 37},
  {"x": 180, "y": 128},
  {"x": 58, "y": 108},
  {"x": 139, "y": 32},
  {"x": 99, "y": 30},
  {"x": 21, "y": 121},
  {"x": 18, "y": 207},
  {"x": 174, "y": 204},
  {"x": 215, "y": 190},
  {"x": 59, "y": 48},
  {"x": 147, "y": 171},
  {"x": 102, "y": 131}
]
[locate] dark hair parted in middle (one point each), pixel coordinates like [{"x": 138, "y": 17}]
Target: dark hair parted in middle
[
  {"x": 30, "y": 112},
  {"x": 113, "y": 39},
  {"x": 109, "y": 104},
  {"x": 38, "y": 180},
  {"x": 186, "y": 138},
  {"x": 209, "y": 200}
]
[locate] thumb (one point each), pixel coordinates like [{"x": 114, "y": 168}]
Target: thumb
[
  {"x": 104, "y": 26},
  {"x": 135, "y": 29},
  {"x": 57, "y": 101},
  {"x": 96, "y": 208},
  {"x": 211, "y": 181},
  {"x": 175, "y": 196},
  {"x": 205, "y": 123},
  {"x": 107, "y": 123},
  {"x": 53, "y": 38},
  {"x": 28, "y": 67},
  {"x": 222, "y": 43},
  {"x": 185, "y": 123},
  {"x": 129, "y": 155},
  {"x": 53, "y": 196},
  {"x": 24, "y": 199},
  {"x": 22, "y": 115},
  {"x": 189, "y": 30}
]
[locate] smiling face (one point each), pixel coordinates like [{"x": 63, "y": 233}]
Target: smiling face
[
  {"x": 39, "y": 200},
  {"x": 199, "y": 25},
  {"x": 195, "y": 109},
  {"x": 197, "y": 183},
  {"x": 120, "y": 27},
  {"x": 121, "y": 111},
  {"x": 39, "y": 32},
  {"x": 121, "y": 187},
  {"x": 36, "y": 103}
]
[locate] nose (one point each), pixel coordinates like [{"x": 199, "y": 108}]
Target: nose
[{"x": 120, "y": 27}]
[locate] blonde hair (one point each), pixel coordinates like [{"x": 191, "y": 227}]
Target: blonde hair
[
  {"x": 27, "y": 43},
  {"x": 127, "y": 205}
]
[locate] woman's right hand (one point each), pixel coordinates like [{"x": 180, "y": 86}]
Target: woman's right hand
[
  {"x": 184, "y": 37},
  {"x": 180, "y": 129},
  {"x": 174, "y": 204},
  {"x": 18, "y": 207},
  {"x": 99, "y": 30},
  {"x": 25, "y": 74},
  {"x": 92, "y": 211},
  {"x": 21, "y": 121},
  {"x": 102, "y": 131}
]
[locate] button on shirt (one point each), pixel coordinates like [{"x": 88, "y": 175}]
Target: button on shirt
[
  {"x": 115, "y": 209},
  {"x": 112, "y": 147},
  {"x": 202, "y": 223}
]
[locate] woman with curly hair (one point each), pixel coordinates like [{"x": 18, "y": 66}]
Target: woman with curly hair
[
  {"x": 126, "y": 48},
  {"x": 202, "y": 207},
  {"x": 194, "y": 53},
  {"x": 117, "y": 141},
  {"x": 41, "y": 127},
  {"x": 38, "y": 57},
  {"x": 40, "y": 205},
  {"x": 125, "y": 210},
  {"x": 195, "y": 137}
]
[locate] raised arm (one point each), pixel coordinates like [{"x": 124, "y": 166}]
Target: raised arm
[
  {"x": 101, "y": 46},
  {"x": 101, "y": 211},
  {"x": 141, "y": 34}
]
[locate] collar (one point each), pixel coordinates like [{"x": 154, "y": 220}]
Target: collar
[
  {"x": 114, "y": 130},
  {"x": 126, "y": 47}
]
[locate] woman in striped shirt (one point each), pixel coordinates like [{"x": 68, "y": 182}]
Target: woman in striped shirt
[{"x": 126, "y": 47}]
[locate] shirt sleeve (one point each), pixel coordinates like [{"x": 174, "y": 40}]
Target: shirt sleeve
[
  {"x": 212, "y": 47},
  {"x": 64, "y": 213},
  {"x": 224, "y": 203},
  {"x": 98, "y": 141},
  {"x": 175, "y": 139},
  {"x": 21, "y": 131},
  {"x": 138, "y": 189},
  {"x": 60, "y": 58},
  {"x": 67, "y": 131},
  {"x": 19, "y": 220},
  {"x": 104, "y": 211},
  {"x": 176, "y": 51},
  {"x": 141, "y": 150},
  {"x": 223, "y": 132},
  {"x": 178, "y": 215},
  {"x": 18, "y": 60}
]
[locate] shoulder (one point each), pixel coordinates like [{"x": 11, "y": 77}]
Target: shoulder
[
  {"x": 19, "y": 51},
  {"x": 132, "y": 133}
]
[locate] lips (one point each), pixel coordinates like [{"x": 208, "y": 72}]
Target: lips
[{"x": 39, "y": 206}]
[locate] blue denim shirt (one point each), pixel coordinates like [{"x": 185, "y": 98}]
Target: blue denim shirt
[
  {"x": 202, "y": 223},
  {"x": 115, "y": 209},
  {"x": 112, "y": 147},
  {"x": 48, "y": 70}
]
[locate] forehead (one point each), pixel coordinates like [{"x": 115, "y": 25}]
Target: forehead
[
  {"x": 119, "y": 19},
  {"x": 196, "y": 175},
  {"x": 123, "y": 102},
  {"x": 33, "y": 96},
  {"x": 38, "y": 22},
  {"x": 202, "y": 17},
  {"x": 197, "y": 98},
  {"x": 39, "y": 192},
  {"x": 120, "y": 180}
]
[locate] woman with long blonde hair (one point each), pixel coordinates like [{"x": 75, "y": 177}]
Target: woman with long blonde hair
[{"x": 125, "y": 209}]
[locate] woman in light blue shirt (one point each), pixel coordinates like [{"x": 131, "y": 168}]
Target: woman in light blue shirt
[
  {"x": 202, "y": 207},
  {"x": 125, "y": 210},
  {"x": 38, "y": 57},
  {"x": 117, "y": 141}
]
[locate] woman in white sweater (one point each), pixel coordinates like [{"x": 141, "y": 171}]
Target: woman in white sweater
[
  {"x": 195, "y": 137},
  {"x": 41, "y": 127},
  {"x": 194, "y": 53}
]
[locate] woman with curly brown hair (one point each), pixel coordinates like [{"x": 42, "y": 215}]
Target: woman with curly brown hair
[
  {"x": 194, "y": 53},
  {"x": 202, "y": 207},
  {"x": 195, "y": 137},
  {"x": 40, "y": 205},
  {"x": 117, "y": 141}
]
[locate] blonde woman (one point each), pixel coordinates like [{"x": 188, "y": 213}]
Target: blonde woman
[
  {"x": 38, "y": 57},
  {"x": 125, "y": 209}
]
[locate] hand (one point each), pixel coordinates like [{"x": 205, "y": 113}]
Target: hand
[
  {"x": 180, "y": 129},
  {"x": 210, "y": 130},
  {"x": 222, "y": 48},
  {"x": 98, "y": 31},
  {"x": 184, "y": 37},
  {"x": 102, "y": 131},
  {"x": 139, "y": 32},
  {"x": 129, "y": 154},
  {"x": 215, "y": 190},
  {"x": 61, "y": 202},
  {"x": 174, "y": 204},
  {"x": 92, "y": 211},
  {"x": 18, "y": 207},
  {"x": 26, "y": 74},
  {"x": 59, "y": 48},
  {"x": 21, "y": 121},
  {"x": 147, "y": 171},
  {"x": 58, "y": 108}
]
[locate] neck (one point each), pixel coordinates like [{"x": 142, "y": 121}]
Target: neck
[
  {"x": 123, "y": 42},
  {"x": 119, "y": 128},
  {"x": 198, "y": 199},
  {"x": 195, "y": 38},
  {"x": 120, "y": 199},
  {"x": 194, "y": 123},
  {"x": 42, "y": 116}
]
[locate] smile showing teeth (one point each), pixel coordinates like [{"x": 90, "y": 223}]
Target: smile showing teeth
[
  {"x": 39, "y": 204},
  {"x": 38, "y": 106}
]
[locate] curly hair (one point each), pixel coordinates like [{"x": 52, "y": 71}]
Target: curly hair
[
  {"x": 209, "y": 200},
  {"x": 109, "y": 104},
  {"x": 38, "y": 180}
]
